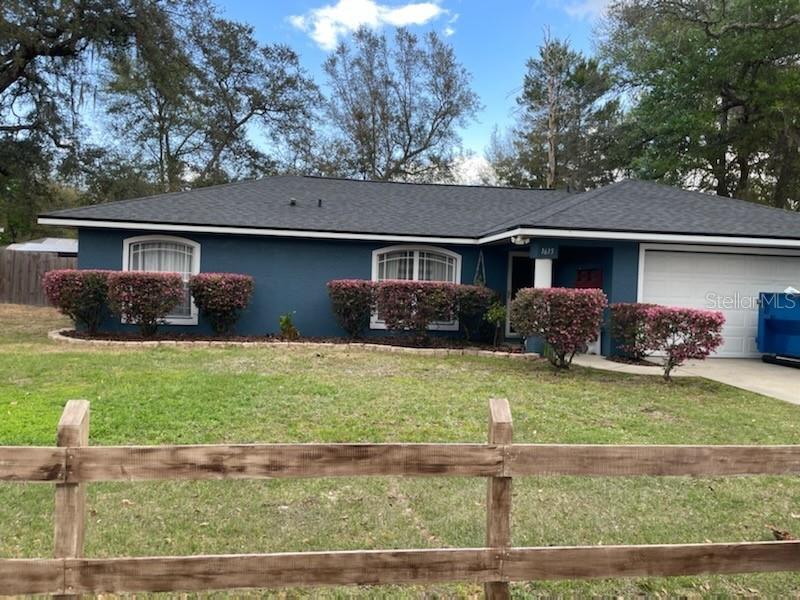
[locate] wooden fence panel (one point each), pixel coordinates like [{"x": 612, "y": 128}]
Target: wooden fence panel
[
  {"x": 21, "y": 275},
  {"x": 591, "y": 562},
  {"x": 31, "y": 464},
  {"x": 611, "y": 461},
  {"x": 362, "y": 567},
  {"x": 31, "y": 576},
  {"x": 380, "y": 567},
  {"x": 258, "y": 461},
  {"x": 73, "y": 463},
  {"x": 255, "y": 461}
]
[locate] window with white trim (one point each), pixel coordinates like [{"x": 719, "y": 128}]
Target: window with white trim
[
  {"x": 416, "y": 263},
  {"x": 166, "y": 254}
]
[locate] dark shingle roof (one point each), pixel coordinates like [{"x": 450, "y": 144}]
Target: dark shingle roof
[
  {"x": 347, "y": 206},
  {"x": 642, "y": 206},
  {"x": 352, "y": 206}
]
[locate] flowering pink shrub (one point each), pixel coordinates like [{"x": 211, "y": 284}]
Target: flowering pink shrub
[
  {"x": 221, "y": 297},
  {"x": 82, "y": 295},
  {"x": 566, "y": 319},
  {"x": 407, "y": 305},
  {"x": 683, "y": 334},
  {"x": 352, "y": 301},
  {"x": 629, "y": 329},
  {"x": 414, "y": 305},
  {"x": 144, "y": 298}
]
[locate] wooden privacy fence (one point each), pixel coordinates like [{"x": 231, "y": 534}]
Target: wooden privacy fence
[
  {"x": 73, "y": 464},
  {"x": 21, "y": 275}
]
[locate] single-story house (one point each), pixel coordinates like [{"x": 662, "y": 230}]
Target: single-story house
[{"x": 636, "y": 240}]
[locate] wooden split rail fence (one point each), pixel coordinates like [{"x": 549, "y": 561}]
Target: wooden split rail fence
[{"x": 73, "y": 464}]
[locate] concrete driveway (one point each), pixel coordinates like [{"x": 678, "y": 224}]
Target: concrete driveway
[{"x": 749, "y": 374}]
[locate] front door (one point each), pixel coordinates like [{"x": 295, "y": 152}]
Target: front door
[
  {"x": 520, "y": 275},
  {"x": 588, "y": 279}
]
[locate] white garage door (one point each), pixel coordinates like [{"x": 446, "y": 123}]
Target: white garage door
[{"x": 727, "y": 282}]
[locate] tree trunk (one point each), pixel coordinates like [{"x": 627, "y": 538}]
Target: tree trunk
[
  {"x": 721, "y": 160},
  {"x": 552, "y": 132},
  {"x": 789, "y": 160},
  {"x": 743, "y": 182},
  {"x": 163, "y": 143}
]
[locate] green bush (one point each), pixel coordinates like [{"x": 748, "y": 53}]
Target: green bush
[
  {"x": 496, "y": 316},
  {"x": 287, "y": 327},
  {"x": 472, "y": 302}
]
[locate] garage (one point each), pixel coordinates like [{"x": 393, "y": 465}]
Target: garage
[{"x": 728, "y": 280}]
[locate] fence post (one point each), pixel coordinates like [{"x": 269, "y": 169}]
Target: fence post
[
  {"x": 70, "y": 512},
  {"x": 498, "y": 497}
]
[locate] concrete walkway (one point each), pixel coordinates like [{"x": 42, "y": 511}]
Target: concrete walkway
[{"x": 749, "y": 374}]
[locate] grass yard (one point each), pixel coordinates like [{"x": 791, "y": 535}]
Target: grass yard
[{"x": 158, "y": 395}]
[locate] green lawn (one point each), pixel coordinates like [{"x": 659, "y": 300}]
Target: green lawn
[{"x": 159, "y": 395}]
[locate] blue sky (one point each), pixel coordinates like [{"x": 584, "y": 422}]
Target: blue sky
[{"x": 492, "y": 38}]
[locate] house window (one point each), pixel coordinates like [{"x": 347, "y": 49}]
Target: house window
[
  {"x": 166, "y": 254},
  {"x": 416, "y": 263},
  {"x": 397, "y": 264},
  {"x": 435, "y": 266}
]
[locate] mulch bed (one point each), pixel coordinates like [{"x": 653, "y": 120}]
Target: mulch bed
[
  {"x": 632, "y": 361},
  {"x": 399, "y": 340}
]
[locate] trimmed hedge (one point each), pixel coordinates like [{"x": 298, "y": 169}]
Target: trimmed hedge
[
  {"x": 144, "y": 298},
  {"x": 82, "y": 295},
  {"x": 414, "y": 305},
  {"x": 352, "y": 301},
  {"x": 683, "y": 334},
  {"x": 629, "y": 329},
  {"x": 220, "y": 298},
  {"x": 680, "y": 334},
  {"x": 408, "y": 305},
  {"x": 566, "y": 319}
]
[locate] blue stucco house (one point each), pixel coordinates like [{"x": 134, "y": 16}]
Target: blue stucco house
[{"x": 638, "y": 241}]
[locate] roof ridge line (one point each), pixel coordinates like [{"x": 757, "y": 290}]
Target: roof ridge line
[
  {"x": 560, "y": 205},
  {"x": 580, "y": 198},
  {"x": 429, "y": 183}
]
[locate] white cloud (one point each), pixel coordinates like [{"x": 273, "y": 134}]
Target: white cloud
[
  {"x": 473, "y": 169},
  {"x": 328, "y": 23},
  {"x": 587, "y": 9},
  {"x": 450, "y": 29}
]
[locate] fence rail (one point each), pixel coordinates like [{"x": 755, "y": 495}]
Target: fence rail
[
  {"x": 266, "y": 461},
  {"x": 21, "y": 275},
  {"x": 372, "y": 567},
  {"x": 73, "y": 464}
]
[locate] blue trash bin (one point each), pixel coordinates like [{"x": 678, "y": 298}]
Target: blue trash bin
[{"x": 779, "y": 326}]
